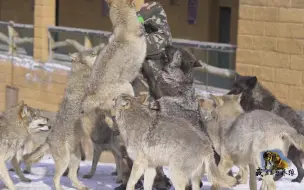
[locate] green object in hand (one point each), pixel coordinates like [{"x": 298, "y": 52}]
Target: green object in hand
[{"x": 141, "y": 19}]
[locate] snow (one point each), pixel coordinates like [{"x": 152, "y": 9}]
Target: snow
[{"x": 43, "y": 172}]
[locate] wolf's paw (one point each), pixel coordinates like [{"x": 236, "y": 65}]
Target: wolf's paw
[
  {"x": 84, "y": 188},
  {"x": 87, "y": 176},
  {"x": 26, "y": 180},
  {"x": 118, "y": 180},
  {"x": 296, "y": 180}
]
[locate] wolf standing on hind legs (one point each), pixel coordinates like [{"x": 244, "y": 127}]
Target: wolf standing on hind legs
[
  {"x": 64, "y": 141},
  {"x": 120, "y": 61},
  {"x": 255, "y": 96}
]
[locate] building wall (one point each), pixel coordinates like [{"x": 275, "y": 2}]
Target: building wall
[
  {"x": 270, "y": 46},
  {"x": 204, "y": 30},
  {"x": 20, "y": 11},
  {"x": 44, "y": 93}
]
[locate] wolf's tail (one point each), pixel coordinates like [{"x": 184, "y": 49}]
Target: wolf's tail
[
  {"x": 36, "y": 155},
  {"x": 219, "y": 179},
  {"x": 295, "y": 138}
]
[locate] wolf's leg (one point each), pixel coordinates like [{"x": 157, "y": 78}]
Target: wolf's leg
[
  {"x": 179, "y": 180},
  {"x": 268, "y": 183},
  {"x": 195, "y": 182},
  {"x": 139, "y": 165},
  {"x": 118, "y": 167},
  {"x": 96, "y": 156},
  {"x": 4, "y": 175},
  {"x": 294, "y": 156},
  {"x": 242, "y": 175},
  {"x": 16, "y": 165},
  {"x": 225, "y": 164},
  {"x": 27, "y": 169},
  {"x": 62, "y": 159},
  {"x": 252, "y": 179},
  {"x": 73, "y": 167},
  {"x": 149, "y": 176},
  {"x": 161, "y": 181}
]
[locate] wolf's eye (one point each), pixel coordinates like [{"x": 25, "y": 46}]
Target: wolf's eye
[{"x": 41, "y": 125}]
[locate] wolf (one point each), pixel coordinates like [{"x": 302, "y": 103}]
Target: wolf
[
  {"x": 241, "y": 137},
  {"x": 152, "y": 141},
  {"x": 104, "y": 139},
  {"x": 122, "y": 58},
  {"x": 256, "y": 96},
  {"x": 16, "y": 125},
  {"x": 37, "y": 137},
  {"x": 64, "y": 140}
]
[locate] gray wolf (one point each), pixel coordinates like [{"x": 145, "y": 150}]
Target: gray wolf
[
  {"x": 255, "y": 96},
  {"x": 157, "y": 141},
  {"x": 64, "y": 140},
  {"x": 104, "y": 139},
  {"x": 241, "y": 137},
  {"x": 37, "y": 137},
  {"x": 16, "y": 125},
  {"x": 122, "y": 58}
]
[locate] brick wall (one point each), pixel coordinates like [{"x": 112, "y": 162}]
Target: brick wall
[
  {"x": 45, "y": 93},
  {"x": 270, "y": 46}
]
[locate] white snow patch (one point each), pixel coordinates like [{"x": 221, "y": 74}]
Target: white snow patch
[{"x": 43, "y": 172}]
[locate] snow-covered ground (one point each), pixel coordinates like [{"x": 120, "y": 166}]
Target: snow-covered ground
[{"x": 42, "y": 174}]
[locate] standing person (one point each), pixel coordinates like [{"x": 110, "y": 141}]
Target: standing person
[{"x": 158, "y": 36}]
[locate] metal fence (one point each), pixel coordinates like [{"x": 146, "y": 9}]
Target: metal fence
[{"x": 17, "y": 39}]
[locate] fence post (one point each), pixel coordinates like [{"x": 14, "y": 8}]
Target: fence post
[
  {"x": 11, "y": 35},
  {"x": 87, "y": 42}
]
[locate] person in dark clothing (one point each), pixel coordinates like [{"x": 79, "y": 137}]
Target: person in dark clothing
[{"x": 158, "y": 36}]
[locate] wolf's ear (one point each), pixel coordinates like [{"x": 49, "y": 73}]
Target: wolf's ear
[
  {"x": 23, "y": 111},
  {"x": 238, "y": 98},
  {"x": 251, "y": 82},
  {"x": 217, "y": 99},
  {"x": 142, "y": 98},
  {"x": 109, "y": 2},
  {"x": 126, "y": 103},
  {"x": 130, "y": 2},
  {"x": 73, "y": 56}
]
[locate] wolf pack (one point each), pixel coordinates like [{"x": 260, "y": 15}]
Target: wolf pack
[{"x": 110, "y": 98}]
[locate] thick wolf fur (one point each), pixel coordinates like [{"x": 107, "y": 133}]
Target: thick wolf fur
[
  {"x": 256, "y": 96},
  {"x": 64, "y": 140},
  {"x": 241, "y": 137},
  {"x": 120, "y": 61},
  {"x": 37, "y": 138},
  {"x": 163, "y": 141},
  {"x": 104, "y": 139},
  {"x": 123, "y": 56},
  {"x": 16, "y": 126}
]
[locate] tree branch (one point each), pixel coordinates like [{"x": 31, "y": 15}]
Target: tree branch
[{"x": 216, "y": 71}]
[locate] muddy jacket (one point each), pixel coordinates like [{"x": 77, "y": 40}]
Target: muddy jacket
[{"x": 158, "y": 33}]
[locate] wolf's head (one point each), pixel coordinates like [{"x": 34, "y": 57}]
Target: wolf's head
[
  {"x": 32, "y": 118},
  {"x": 122, "y": 12},
  {"x": 223, "y": 107},
  {"x": 244, "y": 85},
  {"x": 82, "y": 60}
]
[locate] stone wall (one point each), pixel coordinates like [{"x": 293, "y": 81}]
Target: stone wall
[{"x": 270, "y": 46}]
